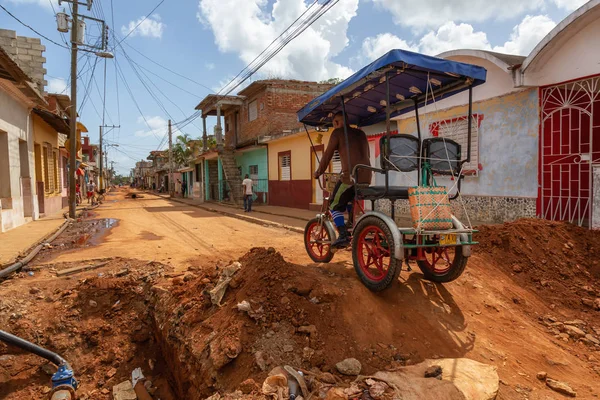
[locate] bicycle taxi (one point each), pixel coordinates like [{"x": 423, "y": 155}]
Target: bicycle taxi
[{"x": 397, "y": 83}]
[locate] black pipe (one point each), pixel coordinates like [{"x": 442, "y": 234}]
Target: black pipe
[
  {"x": 32, "y": 348},
  {"x": 470, "y": 123}
]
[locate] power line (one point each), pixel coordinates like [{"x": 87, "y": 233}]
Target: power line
[
  {"x": 168, "y": 69},
  {"x": 27, "y": 26},
  {"x": 139, "y": 23}
]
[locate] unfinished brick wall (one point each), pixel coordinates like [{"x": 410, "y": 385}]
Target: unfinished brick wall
[
  {"x": 27, "y": 53},
  {"x": 277, "y": 105}
]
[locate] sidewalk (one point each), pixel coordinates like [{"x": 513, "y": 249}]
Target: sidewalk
[
  {"x": 22, "y": 238},
  {"x": 289, "y": 218}
]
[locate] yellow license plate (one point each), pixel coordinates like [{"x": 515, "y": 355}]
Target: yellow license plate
[{"x": 446, "y": 240}]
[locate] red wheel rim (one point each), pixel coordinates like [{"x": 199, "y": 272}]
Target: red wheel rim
[
  {"x": 316, "y": 235},
  {"x": 440, "y": 260},
  {"x": 373, "y": 250}
]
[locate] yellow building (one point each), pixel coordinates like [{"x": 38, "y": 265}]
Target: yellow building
[
  {"x": 49, "y": 166},
  {"x": 291, "y": 164}
]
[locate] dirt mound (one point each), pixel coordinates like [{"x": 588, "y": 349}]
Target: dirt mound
[
  {"x": 558, "y": 261},
  {"x": 274, "y": 313}
]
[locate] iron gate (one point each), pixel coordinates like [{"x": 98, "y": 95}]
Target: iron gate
[{"x": 570, "y": 120}]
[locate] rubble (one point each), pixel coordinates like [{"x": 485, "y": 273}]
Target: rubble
[
  {"x": 350, "y": 366},
  {"x": 560, "y": 387}
]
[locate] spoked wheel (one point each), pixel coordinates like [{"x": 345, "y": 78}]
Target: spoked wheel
[
  {"x": 443, "y": 264},
  {"x": 373, "y": 254},
  {"x": 317, "y": 241}
]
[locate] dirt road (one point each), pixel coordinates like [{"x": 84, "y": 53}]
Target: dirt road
[
  {"x": 157, "y": 229},
  {"x": 515, "y": 307}
]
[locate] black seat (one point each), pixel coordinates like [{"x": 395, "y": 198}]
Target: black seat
[{"x": 377, "y": 192}]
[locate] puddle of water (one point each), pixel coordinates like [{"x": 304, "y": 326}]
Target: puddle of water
[{"x": 109, "y": 222}]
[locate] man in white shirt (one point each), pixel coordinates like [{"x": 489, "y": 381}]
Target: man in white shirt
[{"x": 247, "y": 186}]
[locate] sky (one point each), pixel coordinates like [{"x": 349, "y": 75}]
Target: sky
[{"x": 187, "y": 49}]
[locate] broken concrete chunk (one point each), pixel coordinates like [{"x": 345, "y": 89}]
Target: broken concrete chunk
[
  {"x": 560, "y": 387},
  {"x": 124, "y": 391},
  {"x": 217, "y": 293}
]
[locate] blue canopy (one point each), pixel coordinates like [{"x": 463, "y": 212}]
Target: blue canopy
[{"x": 364, "y": 92}]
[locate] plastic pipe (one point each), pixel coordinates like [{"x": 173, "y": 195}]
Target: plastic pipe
[{"x": 32, "y": 348}]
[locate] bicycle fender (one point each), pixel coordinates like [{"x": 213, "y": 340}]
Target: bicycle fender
[
  {"x": 466, "y": 250},
  {"x": 398, "y": 246},
  {"x": 329, "y": 226}
]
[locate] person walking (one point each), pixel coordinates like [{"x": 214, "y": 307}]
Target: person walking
[{"x": 247, "y": 187}]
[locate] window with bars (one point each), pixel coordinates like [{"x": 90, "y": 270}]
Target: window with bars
[
  {"x": 285, "y": 166},
  {"x": 56, "y": 177},
  {"x": 48, "y": 168},
  {"x": 336, "y": 163},
  {"x": 457, "y": 129},
  {"x": 65, "y": 172},
  {"x": 252, "y": 111},
  {"x": 253, "y": 169}
]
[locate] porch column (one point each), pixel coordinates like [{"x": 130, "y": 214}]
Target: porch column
[
  {"x": 204, "y": 135},
  {"x": 218, "y": 129}
]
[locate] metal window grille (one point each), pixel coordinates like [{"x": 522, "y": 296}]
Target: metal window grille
[
  {"x": 457, "y": 129},
  {"x": 253, "y": 169}
]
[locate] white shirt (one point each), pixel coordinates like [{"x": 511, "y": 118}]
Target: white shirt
[{"x": 248, "y": 185}]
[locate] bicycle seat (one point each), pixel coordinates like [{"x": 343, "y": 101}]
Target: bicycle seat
[{"x": 377, "y": 192}]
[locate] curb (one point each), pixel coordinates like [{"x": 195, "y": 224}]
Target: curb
[
  {"x": 275, "y": 214},
  {"x": 256, "y": 221}
]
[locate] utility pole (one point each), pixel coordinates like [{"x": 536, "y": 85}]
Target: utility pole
[
  {"x": 171, "y": 183},
  {"x": 73, "y": 142},
  {"x": 102, "y": 133},
  {"x": 62, "y": 20}
]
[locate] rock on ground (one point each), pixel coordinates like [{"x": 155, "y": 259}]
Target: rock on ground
[
  {"x": 560, "y": 387},
  {"x": 124, "y": 391},
  {"x": 350, "y": 366},
  {"x": 462, "y": 379}
]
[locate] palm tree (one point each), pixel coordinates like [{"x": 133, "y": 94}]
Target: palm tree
[{"x": 181, "y": 150}]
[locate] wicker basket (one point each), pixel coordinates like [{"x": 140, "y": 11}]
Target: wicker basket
[
  {"x": 330, "y": 181},
  {"x": 430, "y": 208}
]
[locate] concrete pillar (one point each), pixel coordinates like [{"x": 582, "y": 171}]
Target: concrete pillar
[
  {"x": 219, "y": 129},
  {"x": 204, "y": 135}
]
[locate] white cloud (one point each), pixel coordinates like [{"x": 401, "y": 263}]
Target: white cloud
[
  {"x": 149, "y": 27},
  {"x": 209, "y": 66},
  {"x": 569, "y": 5},
  {"x": 527, "y": 35},
  {"x": 252, "y": 28},
  {"x": 434, "y": 13},
  {"x": 375, "y": 47},
  {"x": 451, "y": 36},
  {"x": 57, "y": 85},
  {"x": 157, "y": 126}
]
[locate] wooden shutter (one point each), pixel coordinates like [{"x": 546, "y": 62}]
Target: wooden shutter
[
  {"x": 285, "y": 167},
  {"x": 336, "y": 163}
]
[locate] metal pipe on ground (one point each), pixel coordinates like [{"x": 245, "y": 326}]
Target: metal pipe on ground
[{"x": 20, "y": 264}]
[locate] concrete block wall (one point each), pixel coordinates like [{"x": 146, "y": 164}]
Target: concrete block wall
[
  {"x": 277, "y": 106},
  {"x": 28, "y": 53}
]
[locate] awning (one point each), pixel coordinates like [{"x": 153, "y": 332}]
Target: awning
[
  {"x": 57, "y": 123},
  {"x": 411, "y": 76}
]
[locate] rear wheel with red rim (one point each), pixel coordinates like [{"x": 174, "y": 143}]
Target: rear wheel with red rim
[
  {"x": 373, "y": 254},
  {"x": 443, "y": 264},
  {"x": 317, "y": 240}
]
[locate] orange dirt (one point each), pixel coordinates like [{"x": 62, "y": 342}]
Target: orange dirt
[{"x": 306, "y": 315}]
